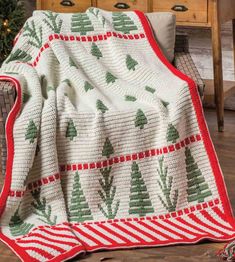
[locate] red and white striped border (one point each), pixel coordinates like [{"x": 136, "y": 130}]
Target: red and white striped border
[
  {"x": 207, "y": 223},
  {"x": 132, "y": 157}
]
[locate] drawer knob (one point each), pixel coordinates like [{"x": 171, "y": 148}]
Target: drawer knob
[
  {"x": 179, "y": 8},
  {"x": 67, "y": 3},
  {"x": 122, "y": 6}
]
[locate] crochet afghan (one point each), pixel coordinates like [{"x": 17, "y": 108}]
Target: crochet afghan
[{"x": 107, "y": 142}]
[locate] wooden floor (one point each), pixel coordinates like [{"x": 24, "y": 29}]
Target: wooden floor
[{"x": 204, "y": 252}]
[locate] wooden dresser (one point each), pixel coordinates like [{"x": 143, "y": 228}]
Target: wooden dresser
[{"x": 196, "y": 13}]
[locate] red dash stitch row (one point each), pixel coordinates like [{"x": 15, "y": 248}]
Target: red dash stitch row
[
  {"x": 92, "y": 38},
  {"x": 35, "y": 184},
  {"x": 131, "y": 157}
]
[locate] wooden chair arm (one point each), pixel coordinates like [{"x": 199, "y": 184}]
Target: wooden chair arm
[{"x": 7, "y": 98}]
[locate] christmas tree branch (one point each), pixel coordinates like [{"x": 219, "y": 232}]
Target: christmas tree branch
[
  {"x": 56, "y": 27},
  {"x": 166, "y": 188}
]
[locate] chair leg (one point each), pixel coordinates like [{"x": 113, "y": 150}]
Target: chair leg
[{"x": 218, "y": 71}]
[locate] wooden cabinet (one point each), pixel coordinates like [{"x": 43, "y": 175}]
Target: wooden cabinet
[
  {"x": 64, "y": 6},
  {"x": 185, "y": 10},
  {"x": 119, "y": 5}
]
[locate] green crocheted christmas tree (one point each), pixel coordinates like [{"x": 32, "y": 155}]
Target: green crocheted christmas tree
[
  {"x": 52, "y": 22},
  {"x": 19, "y": 55},
  {"x": 198, "y": 189},
  {"x": 140, "y": 203},
  {"x": 130, "y": 98},
  {"x": 123, "y": 23},
  {"x": 71, "y": 131},
  {"x": 42, "y": 209},
  {"x": 88, "y": 86},
  {"x": 131, "y": 63},
  {"x": 34, "y": 33},
  {"x": 81, "y": 24},
  {"x": 100, "y": 106},
  {"x": 150, "y": 89},
  {"x": 17, "y": 226},
  {"x": 165, "y": 183},
  {"x": 172, "y": 134},
  {"x": 31, "y": 132},
  {"x": 79, "y": 210},
  {"x": 95, "y": 51},
  {"x": 110, "y": 78},
  {"x": 107, "y": 193},
  {"x": 107, "y": 148},
  {"x": 140, "y": 119}
]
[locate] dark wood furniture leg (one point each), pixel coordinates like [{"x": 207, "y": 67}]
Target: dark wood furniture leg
[
  {"x": 234, "y": 42},
  {"x": 218, "y": 71}
]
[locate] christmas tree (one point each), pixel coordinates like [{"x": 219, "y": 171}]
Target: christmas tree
[
  {"x": 95, "y": 51},
  {"x": 41, "y": 209},
  {"x": 150, "y": 89},
  {"x": 35, "y": 34},
  {"x": 198, "y": 189},
  {"x": 100, "y": 106},
  {"x": 130, "y": 98},
  {"x": 88, "y": 86},
  {"x": 19, "y": 55},
  {"x": 52, "y": 22},
  {"x": 81, "y": 24},
  {"x": 78, "y": 210},
  {"x": 131, "y": 63},
  {"x": 140, "y": 203},
  {"x": 31, "y": 132},
  {"x": 110, "y": 78},
  {"x": 107, "y": 148},
  {"x": 107, "y": 194},
  {"x": 11, "y": 21},
  {"x": 17, "y": 226},
  {"x": 165, "y": 184},
  {"x": 123, "y": 23},
  {"x": 140, "y": 119},
  {"x": 71, "y": 131},
  {"x": 172, "y": 134}
]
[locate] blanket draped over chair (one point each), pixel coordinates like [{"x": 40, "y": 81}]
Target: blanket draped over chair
[{"x": 107, "y": 142}]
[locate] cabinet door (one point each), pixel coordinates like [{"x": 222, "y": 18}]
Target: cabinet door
[
  {"x": 64, "y": 6},
  {"x": 123, "y": 5},
  {"x": 192, "y": 11}
]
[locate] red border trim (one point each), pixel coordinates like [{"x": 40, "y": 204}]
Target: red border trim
[
  {"x": 201, "y": 121},
  {"x": 199, "y": 113}
]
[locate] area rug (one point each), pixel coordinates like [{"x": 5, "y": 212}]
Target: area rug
[{"x": 107, "y": 143}]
